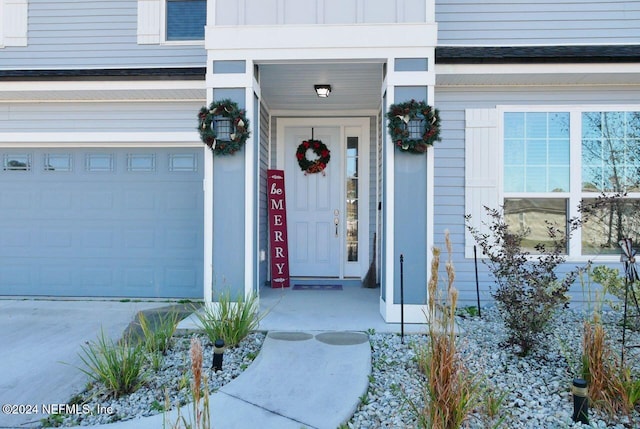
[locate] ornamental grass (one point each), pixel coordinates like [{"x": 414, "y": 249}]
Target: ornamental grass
[
  {"x": 450, "y": 391},
  {"x": 118, "y": 366},
  {"x": 230, "y": 320}
]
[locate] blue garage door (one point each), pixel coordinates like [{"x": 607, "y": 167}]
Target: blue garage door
[{"x": 101, "y": 222}]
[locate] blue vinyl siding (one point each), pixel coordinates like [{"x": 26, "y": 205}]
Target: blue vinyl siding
[
  {"x": 449, "y": 189},
  {"x": 92, "y": 34},
  {"x": 514, "y": 22},
  {"x": 186, "y": 19},
  {"x": 99, "y": 117}
]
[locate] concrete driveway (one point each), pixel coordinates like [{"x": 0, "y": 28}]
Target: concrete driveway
[{"x": 39, "y": 345}]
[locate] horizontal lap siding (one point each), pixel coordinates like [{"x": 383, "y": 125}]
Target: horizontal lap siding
[
  {"x": 99, "y": 117},
  {"x": 513, "y": 22},
  {"x": 449, "y": 210},
  {"x": 91, "y": 34}
]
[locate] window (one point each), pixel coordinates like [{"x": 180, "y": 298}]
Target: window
[
  {"x": 186, "y": 19},
  {"x": 555, "y": 162},
  {"x": 17, "y": 162},
  {"x": 57, "y": 162},
  {"x": 182, "y": 162},
  {"x": 536, "y": 172},
  {"x": 99, "y": 162},
  {"x": 610, "y": 144},
  {"x": 171, "y": 20},
  {"x": 352, "y": 199},
  {"x": 141, "y": 162}
]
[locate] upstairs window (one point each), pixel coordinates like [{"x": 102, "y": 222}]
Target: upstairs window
[{"x": 186, "y": 19}]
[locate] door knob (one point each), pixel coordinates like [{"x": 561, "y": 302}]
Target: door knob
[{"x": 336, "y": 221}]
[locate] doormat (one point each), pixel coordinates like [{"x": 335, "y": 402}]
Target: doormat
[{"x": 317, "y": 287}]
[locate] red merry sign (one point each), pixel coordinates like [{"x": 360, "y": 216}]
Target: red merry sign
[{"x": 278, "y": 229}]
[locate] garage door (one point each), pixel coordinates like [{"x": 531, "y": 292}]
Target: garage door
[{"x": 98, "y": 222}]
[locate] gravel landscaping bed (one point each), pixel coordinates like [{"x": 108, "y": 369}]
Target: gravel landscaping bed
[
  {"x": 172, "y": 379},
  {"x": 537, "y": 387}
]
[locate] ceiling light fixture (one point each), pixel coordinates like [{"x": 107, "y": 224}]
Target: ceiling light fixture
[{"x": 323, "y": 91}]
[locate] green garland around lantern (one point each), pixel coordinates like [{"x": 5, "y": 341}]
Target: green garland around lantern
[
  {"x": 399, "y": 116},
  {"x": 239, "y": 132}
]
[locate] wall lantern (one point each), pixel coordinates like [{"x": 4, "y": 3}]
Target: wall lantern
[
  {"x": 323, "y": 91},
  {"x": 223, "y": 127}
]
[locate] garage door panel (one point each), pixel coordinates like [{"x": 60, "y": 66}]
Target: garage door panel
[
  {"x": 111, "y": 233},
  {"x": 139, "y": 238},
  {"x": 13, "y": 239}
]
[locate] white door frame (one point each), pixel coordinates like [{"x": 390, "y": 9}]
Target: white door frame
[{"x": 346, "y": 124}]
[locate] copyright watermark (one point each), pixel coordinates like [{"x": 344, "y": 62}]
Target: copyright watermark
[{"x": 78, "y": 409}]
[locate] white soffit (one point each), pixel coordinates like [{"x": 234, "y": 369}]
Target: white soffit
[{"x": 290, "y": 86}]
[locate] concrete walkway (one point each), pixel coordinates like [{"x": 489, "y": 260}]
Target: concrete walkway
[{"x": 299, "y": 380}]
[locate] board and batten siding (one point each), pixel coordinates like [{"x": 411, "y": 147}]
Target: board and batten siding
[
  {"x": 520, "y": 22},
  {"x": 99, "y": 117},
  {"x": 449, "y": 186},
  {"x": 304, "y": 12},
  {"x": 73, "y": 34}
]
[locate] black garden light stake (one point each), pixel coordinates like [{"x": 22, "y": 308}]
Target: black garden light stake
[
  {"x": 218, "y": 354},
  {"x": 402, "y": 298},
  {"x": 628, "y": 258},
  {"x": 580, "y": 401}
]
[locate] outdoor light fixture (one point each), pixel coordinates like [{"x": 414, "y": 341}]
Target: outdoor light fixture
[{"x": 322, "y": 90}]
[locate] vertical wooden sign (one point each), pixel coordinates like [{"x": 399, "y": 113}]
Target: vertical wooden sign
[{"x": 277, "y": 213}]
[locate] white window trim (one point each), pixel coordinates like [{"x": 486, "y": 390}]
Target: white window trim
[
  {"x": 575, "y": 193},
  {"x": 152, "y": 25},
  {"x": 13, "y": 23}
]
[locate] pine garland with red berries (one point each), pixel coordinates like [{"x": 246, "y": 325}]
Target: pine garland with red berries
[
  {"x": 239, "y": 132},
  {"x": 317, "y": 165}
]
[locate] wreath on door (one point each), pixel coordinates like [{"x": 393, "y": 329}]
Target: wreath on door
[
  {"x": 223, "y": 127},
  {"x": 413, "y": 126},
  {"x": 316, "y": 165}
]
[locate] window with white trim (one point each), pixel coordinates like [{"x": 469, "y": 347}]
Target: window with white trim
[
  {"x": 543, "y": 163},
  {"x": 186, "y": 19},
  {"x": 162, "y": 21},
  {"x": 557, "y": 160}
]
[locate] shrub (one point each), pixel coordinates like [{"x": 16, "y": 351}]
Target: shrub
[
  {"x": 117, "y": 365},
  {"x": 528, "y": 291},
  {"x": 230, "y": 320}
]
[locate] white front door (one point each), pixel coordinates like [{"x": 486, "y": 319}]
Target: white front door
[
  {"x": 314, "y": 205},
  {"x": 327, "y": 215}
]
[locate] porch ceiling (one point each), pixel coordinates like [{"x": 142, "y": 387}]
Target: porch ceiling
[{"x": 354, "y": 86}]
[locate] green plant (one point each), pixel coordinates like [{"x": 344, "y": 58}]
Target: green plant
[
  {"x": 468, "y": 311},
  {"x": 230, "y": 320},
  {"x": 450, "y": 390},
  {"x": 613, "y": 283},
  {"x": 492, "y": 402},
  {"x": 52, "y": 421},
  {"x": 118, "y": 366},
  {"x": 528, "y": 291},
  {"x": 157, "y": 335},
  {"x": 157, "y": 406}
]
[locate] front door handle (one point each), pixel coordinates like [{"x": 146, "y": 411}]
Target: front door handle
[{"x": 336, "y": 221}]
